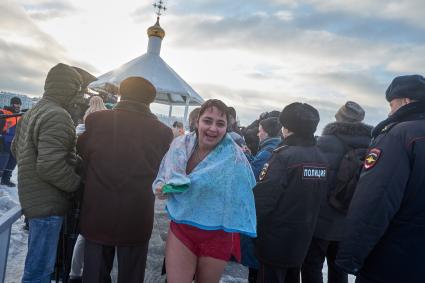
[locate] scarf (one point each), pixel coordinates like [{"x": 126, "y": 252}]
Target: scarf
[{"x": 219, "y": 189}]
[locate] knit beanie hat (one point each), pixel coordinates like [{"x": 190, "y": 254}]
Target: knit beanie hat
[
  {"x": 137, "y": 89},
  {"x": 412, "y": 86},
  {"x": 350, "y": 112},
  {"x": 271, "y": 126},
  {"x": 300, "y": 118}
]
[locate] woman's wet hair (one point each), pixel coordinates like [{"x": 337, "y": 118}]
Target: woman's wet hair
[{"x": 217, "y": 104}]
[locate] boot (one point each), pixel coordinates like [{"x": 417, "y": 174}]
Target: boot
[
  {"x": 8, "y": 183},
  {"x": 5, "y": 179}
]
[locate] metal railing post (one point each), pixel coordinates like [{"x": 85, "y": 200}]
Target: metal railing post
[{"x": 6, "y": 221}]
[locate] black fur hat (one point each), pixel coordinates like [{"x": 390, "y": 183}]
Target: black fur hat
[
  {"x": 412, "y": 86},
  {"x": 300, "y": 118}
]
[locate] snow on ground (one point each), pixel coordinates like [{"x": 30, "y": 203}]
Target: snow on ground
[
  {"x": 18, "y": 238},
  {"x": 234, "y": 273}
]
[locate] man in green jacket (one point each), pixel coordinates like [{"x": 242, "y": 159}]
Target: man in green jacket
[{"x": 44, "y": 147}]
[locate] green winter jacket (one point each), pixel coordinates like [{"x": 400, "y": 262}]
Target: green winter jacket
[{"x": 44, "y": 147}]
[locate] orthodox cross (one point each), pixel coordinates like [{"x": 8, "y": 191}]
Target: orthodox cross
[{"x": 159, "y": 7}]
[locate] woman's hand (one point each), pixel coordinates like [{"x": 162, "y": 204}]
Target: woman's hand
[{"x": 159, "y": 194}]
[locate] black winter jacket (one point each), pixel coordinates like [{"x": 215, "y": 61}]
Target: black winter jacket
[
  {"x": 336, "y": 139},
  {"x": 385, "y": 234},
  {"x": 287, "y": 200}
]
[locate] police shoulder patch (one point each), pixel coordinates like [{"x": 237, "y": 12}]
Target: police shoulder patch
[
  {"x": 263, "y": 172},
  {"x": 372, "y": 158},
  {"x": 314, "y": 172}
]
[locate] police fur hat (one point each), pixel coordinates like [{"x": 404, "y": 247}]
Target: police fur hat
[
  {"x": 271, "y": 126},
  {"x": 300, "y": 118},
  {"x": 350, "y": 112},
  {"x": 15, "y": 100},
  {"x": 411, "y": 86},
  {"x": 137, "y": 89}
]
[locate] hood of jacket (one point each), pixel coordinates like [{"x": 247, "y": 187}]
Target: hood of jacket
[
  {"x": 347, "y": 129},
  {"x": 63, "y": 84}
]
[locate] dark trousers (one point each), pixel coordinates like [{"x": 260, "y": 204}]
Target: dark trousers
[
  {"x": 269, "y": 274},
  {"x": 98, "y": 261},
  {"x": 9, "y": 165},
  {"x": 311, "y": 271},
  {"x": 252, "y": 275}
]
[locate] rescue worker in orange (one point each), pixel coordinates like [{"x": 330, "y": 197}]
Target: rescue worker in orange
[{"x": 8, "y": 127}]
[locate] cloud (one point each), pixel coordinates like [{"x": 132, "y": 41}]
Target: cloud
[
  {"x": 44, "y": 10},
  {"x": 408, "y": 11},
  {"x": 26, "y": 52},
  {"x": 270, "y": 35},
  {"x": 142, "y": 12},
  {"x": 249, "y": 103},
  {"x": 324, "y": 32}
]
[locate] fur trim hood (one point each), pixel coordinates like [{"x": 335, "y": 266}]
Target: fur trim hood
[{"x": 348, "y": 129}]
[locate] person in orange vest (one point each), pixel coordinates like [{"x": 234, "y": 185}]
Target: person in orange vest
[{"x": 8, "y": 132}]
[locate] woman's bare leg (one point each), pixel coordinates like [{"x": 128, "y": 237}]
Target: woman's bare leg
[
  {"x": 209, "y": 270},
  {"x": 180, "y": 262}
]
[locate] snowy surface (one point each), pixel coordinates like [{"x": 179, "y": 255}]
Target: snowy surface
[
  {"x": 234, "y": 273},
  {"x": 19, "y": 237}
]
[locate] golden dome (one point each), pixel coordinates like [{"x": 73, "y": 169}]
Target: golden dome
[{"x": 156, "y": 30}]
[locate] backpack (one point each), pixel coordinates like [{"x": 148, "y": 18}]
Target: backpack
[{"x": 347, "y": 177}]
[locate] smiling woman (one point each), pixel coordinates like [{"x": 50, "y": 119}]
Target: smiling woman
[
  {"x": 217, "y": 204},
  {"x": 211, "y": 128}
]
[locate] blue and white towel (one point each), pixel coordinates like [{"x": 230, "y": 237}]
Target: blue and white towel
[{"x": 219, "y": 196}]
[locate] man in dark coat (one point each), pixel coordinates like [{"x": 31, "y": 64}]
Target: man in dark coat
[
  {"x": 385, "y": 229},
  {"x": 347, "y": 133},
  {"x": 288, "y": 197},
  {"x": 122, "y": 149}
]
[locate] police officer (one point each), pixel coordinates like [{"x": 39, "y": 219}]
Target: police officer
[
  {"x": 385, "y": 233},
  {"x": 339, "y": 140},
  {"x": 288, "y": 196}
]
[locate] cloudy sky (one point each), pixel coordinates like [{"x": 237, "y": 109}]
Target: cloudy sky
[{"x": 255, "y": 55}]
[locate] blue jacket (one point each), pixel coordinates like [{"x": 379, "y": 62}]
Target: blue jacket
[{"x": 264, "y": 153}]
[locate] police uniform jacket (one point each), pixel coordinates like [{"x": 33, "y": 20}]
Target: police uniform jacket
[
  {"x": 385, "y": 235},
  {"x": 287, "y": 200}
]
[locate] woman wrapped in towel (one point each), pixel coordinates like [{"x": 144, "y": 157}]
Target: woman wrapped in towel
[{"x": 208, "y": 182}]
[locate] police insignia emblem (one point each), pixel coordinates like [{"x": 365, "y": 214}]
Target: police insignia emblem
[
  {"x": 263, "y": 172},
  {"x": 371, "y": 158}
]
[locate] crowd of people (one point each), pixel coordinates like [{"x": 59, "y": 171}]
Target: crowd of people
[{"x": 272, "y": 196}]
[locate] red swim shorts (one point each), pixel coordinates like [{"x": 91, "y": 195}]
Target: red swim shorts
[{"x": 217, "y": 244}]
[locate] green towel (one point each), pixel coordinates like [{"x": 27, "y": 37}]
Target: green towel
[{"x": 168, "y": 188}]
